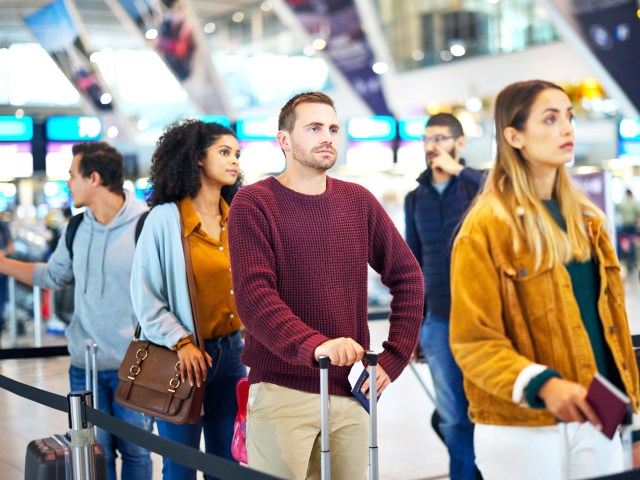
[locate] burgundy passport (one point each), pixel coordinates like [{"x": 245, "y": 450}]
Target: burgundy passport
[{"x": 609, "y": 403}]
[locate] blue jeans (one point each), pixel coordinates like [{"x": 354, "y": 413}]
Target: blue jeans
[
  {"x": 220, "y": 407},
  {"x": 451, "y": 401},
  {"x": 136, "y": 461}
]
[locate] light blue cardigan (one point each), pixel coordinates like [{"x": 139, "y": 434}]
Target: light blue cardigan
[{"x": 159, "y": 290}]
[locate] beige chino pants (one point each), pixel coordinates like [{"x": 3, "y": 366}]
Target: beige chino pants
[{"x": 283, "y": 434}]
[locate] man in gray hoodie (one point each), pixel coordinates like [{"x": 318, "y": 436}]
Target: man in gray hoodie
[{"x": 100, "y": 264}]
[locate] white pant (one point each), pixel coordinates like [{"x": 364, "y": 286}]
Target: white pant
[{"x": 505, "y": 453}]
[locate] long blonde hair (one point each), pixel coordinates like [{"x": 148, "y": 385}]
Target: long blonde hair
[{"x": 511, "y": 183}]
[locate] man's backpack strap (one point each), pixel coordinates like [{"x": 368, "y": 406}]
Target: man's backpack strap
[
  {"x": 140, "y": 224},
  {"x": 72, "y": 228},
  {"x": 74, "y": 223}
]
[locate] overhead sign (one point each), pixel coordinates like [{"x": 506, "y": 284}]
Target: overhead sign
[
  {"x": 57, "y": 32},
  {"x": 13, "y": 129},
  {"x": 338, "y": 23},
  {"x": 378, "y": 127},
  {"x": 68, "y": 129},
  {"x": 257, "y": 128},
  {"x": 220, "y": 119},
  {"x": 412, "y": 128}
]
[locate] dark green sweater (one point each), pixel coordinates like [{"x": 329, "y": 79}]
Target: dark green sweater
[{"x": 585, "y": 281}]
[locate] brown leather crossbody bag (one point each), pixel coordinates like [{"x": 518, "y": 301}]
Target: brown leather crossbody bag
[{"x": 149, "y": 376}]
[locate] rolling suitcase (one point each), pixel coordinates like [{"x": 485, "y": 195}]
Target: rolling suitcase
[
  {"x": 50, "y": 458},
  {"x": 325, "y": 454}
]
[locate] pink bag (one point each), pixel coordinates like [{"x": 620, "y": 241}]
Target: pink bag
[{"x": 239, "y": 440}]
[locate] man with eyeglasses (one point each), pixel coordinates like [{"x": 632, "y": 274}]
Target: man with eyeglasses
[{"x": 433, "y": 212}]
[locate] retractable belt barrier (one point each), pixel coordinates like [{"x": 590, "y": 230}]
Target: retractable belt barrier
[
  {"x": 187, "y": 456},
  {"x": 34, "y": 352}
]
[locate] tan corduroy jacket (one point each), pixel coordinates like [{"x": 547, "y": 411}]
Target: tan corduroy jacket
[{"x": 507, "y": 315}]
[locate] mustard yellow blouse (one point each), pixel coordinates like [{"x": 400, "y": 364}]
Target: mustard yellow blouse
[{"x": 212, "y": 273}]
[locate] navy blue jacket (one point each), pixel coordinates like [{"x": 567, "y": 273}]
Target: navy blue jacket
[{"x": 431, "y": 221}]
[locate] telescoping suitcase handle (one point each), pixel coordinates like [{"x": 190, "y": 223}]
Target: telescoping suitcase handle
[
  {"x": 91, "y": 374},
  {"x": 325, "y": 453},
  {"x": 372, "y": 359},
  {"x": 91, "y": 370}
]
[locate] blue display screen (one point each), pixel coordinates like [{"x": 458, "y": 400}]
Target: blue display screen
[
  {"x": 14, "y": 129},
  {"x": 412, "y": 128},
  {"x": 629, "y": 129},
  {"x": 76, "y": 129},
  {"x": 377, "y": 127},
  {"x": 257, "y": 128},
  {"x": 221, "y": 119}
]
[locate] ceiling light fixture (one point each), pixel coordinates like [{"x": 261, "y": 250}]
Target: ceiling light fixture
[{"x": 380, "y": 68}]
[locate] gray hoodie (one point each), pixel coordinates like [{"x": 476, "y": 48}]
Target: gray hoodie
[{"x": 101, "y": 267}]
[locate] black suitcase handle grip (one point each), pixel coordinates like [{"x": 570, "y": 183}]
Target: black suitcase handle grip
[
  {"x": 324, "y": 362},
  {"x": 372, "y": 358}
]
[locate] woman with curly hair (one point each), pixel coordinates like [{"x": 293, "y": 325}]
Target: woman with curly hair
[{"x": 194, "y": 176}]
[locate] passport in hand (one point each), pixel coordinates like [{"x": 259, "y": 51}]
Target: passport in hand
[
  {"x": 609, "y": 403},
  {"x": 364, "y": 401}
]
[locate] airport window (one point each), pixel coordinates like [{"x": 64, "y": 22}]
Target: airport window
[{"x": 427, "y": 33}]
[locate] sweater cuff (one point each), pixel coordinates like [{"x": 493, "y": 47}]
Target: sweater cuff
[
  {"x": 536, "y": 383},
  {"x": 307, "y": 350},
  {"x": 391, "y": 365},
  {"x": 523, "y": 379}
]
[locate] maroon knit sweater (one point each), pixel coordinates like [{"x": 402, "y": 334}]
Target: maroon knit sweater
[{"x": 299, "y": 267}]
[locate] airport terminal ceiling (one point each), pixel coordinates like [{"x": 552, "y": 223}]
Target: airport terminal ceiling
[{"x": 421, "y": 56}]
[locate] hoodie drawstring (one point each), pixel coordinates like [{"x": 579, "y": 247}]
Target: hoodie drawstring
[
  {"x": 86, "y": 265},
  {"x": 104, "y": 254}
]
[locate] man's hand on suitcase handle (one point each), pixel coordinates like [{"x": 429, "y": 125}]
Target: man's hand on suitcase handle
[
  {"x": 341, "y": 351},
  {"x": 193, "y": 365},
  {"x": 567, "y": 401}
]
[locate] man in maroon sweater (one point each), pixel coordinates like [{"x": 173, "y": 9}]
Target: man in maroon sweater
[{"x": 300, "y": 246}]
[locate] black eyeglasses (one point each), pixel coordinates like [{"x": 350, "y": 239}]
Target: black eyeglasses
[{"x": 439, "y": 139}]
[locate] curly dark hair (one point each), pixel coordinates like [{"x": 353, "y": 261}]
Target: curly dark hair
[{"x": 175, "y": 173}]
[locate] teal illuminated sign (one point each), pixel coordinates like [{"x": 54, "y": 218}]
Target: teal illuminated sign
[
  {"x": 220, "y": 119},
  {"x": 629, "y": 129},
  {"x": 378, "y": 127},
  {"x": 257, "y": 128},
  {"x": 73, "y": 129},
  {"x": 13, "y": 129},
  {"x": 412, "y": 128}
]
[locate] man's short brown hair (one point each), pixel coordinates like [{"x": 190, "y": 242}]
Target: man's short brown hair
[
  {"x": 287, "y": 118},
  {"x": 102, "y": 158}
]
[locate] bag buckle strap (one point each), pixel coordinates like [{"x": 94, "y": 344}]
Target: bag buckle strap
[
  {"x": 174, "y": 383},
  {"x": 134, "y": 370}
]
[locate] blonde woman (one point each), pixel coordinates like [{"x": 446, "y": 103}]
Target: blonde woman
[{"x": 537, "y": 302}]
